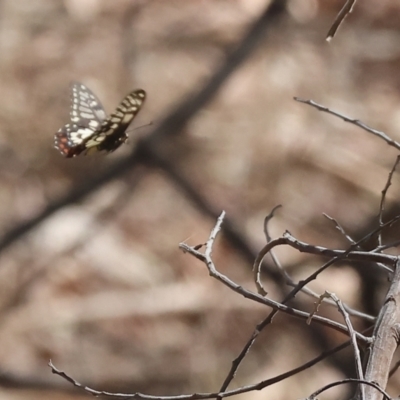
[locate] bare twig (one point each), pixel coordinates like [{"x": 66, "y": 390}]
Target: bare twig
[
  {"x": 352, "y": 333},
  {"x": 386, "y": 334},
  {"x": 260, "y": 327},
  {"x": 345, "y": 381},
  {"x": 290, "y": 282},
  {"x": 343, "y": 13},
  {"x": 257, "y": 273},
  {"x": 352, "y": 241},
  {"x": 200, "y": 396},
  {"x": 349, "y": 254},
  {"x": 255, "y": 296},
  {"x": 339, "y": 228},
  {"x": 355, "y": 122},
  {"x": 383, "y": 198}
]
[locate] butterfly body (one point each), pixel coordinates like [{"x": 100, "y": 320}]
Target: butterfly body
[{"x": 89, "y": 130}]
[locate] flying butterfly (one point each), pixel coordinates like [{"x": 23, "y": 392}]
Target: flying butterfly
[{"x": 89, "y": 130}]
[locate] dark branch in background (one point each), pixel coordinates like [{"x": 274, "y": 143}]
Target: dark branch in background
[
  {"x": 172, "y": 125},
  {"x": 343, "y": 13}
]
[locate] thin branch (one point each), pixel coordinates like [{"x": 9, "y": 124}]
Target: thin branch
[
  {"x": 350, "y": 254},
  {"x": 352, "y": 333},
  {"x": 345, "y": 381},
  {"x": 290, "y": 282},
  {"x": 343, "y": 13},
  {"x": 254, "y": 296},
  {"x": 383, "y": 198},
  {"x": 221, "y": 394},
  {"x": 352, "y": 241},
  {"x": 339, "y": 228},
  {"x": 257, "y": 273},
  {"x": 355, "y": 122}
]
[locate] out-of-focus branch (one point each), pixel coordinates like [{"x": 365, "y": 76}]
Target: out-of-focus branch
[{"x": 172, "y": 124}]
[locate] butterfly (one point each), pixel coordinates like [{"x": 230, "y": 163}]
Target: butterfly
[{"x": 89, "y": 130}]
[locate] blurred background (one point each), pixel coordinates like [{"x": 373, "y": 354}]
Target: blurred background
[{"x": 100, "y": 286}]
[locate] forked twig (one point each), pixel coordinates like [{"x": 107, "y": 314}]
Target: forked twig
[{"x": 356, "y": 350}]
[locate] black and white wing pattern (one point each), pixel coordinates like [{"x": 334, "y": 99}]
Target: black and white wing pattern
[{"x": 90, "y": 130}]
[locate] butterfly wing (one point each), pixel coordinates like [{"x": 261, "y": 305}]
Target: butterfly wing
[
  {"x": 89, "y": 131},
  {"x": 86, "y": 109},
  {"x": 112, "y": 132},
  {"x": 86, "y": 115}
]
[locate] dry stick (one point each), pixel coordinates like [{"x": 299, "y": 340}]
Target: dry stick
[
  {"x": 350, "y": 254},
  {"x": 355, "y": 255},
  {"x": 345, "y": 381},
  {"x": 290, "y": 282},
  {"x": 257, "y": 275},
  {"x": 341, "y": 230},
  {"x": 261, "y": 290},
  {"x": 245, "y": 389},
  {"x": 171, "y": 126},
  {"x": 259, "y": 328},
  {"x": 359, "y": 370},
  {"x": 375, "y": 132},
  {"x": 255, "y": 296},
  {"x": 386, "y": 337},
  {"x": 383, "y": 198},
  {"x": 278, "y": 378},
  {"x": 303, "y": 246},
  {"x": 207, "y": 260},
  {"x": 355, "y": 122},
  {"x": 343, "y": 13}
]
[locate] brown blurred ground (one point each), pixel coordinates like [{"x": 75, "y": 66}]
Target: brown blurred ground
[{"x": 101, "y": 287}]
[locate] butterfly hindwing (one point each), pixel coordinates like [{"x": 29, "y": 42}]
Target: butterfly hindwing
[{"x": 90, "y": 130}]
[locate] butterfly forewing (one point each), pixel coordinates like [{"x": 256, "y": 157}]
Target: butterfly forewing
[
  {"x": 89, "y": 130},
  {"x": 112, "y": 132},
  {"x": 86, "y": 109}
]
